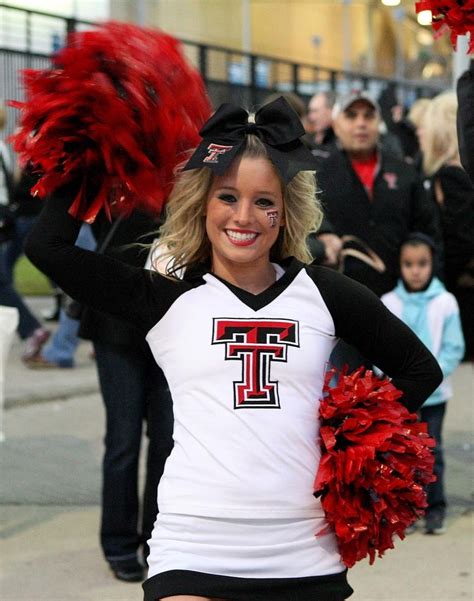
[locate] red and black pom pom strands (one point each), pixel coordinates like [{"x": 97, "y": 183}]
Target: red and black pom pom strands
[
  {"x": 376, "y": 461},
  {"x": 455, "y": 16},
  {"x": 116, "y": 112}
]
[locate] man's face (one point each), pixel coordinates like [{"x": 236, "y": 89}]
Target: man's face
[
  {"x": 319, "y": 114},
  {"x": 358, "y": 128}
]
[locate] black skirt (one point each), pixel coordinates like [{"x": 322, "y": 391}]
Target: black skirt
[{"x": 333, "y": 587}]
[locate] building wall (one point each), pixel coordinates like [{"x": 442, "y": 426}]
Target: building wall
[
  {"x": 281, "y": 28},
  {"x": 360, "y": 36}
]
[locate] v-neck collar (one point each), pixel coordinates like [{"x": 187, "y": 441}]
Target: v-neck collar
[{"x": 264, "y": 298}]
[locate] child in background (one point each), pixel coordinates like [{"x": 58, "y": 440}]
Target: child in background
[{"x": 422, "y": 302}]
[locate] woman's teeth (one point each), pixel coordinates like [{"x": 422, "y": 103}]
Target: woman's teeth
[{"x": 240, "y": 236}]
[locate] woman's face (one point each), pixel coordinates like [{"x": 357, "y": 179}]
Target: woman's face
[
  {"x": 244, "y": 213},
  {"x": 416, "y": 265}
]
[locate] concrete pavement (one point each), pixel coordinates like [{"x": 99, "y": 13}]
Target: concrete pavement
[{"x": 50, "y": 487}]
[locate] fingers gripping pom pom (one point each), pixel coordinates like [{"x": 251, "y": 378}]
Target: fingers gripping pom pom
[
  {"x": 376, "y": 461},
  {"x": 117, "y": 112}
]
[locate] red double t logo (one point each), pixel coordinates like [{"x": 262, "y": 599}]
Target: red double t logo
[
  {"x": 215, "y": 150},
  {"x": 256, "y": 344}
]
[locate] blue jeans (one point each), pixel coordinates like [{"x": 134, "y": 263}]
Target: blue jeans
[
  {"x": 9, "y": 253},
  {"x": 133, "y": 389},
  {"x": 63, "y": 344},
  {"x": 433, "y": 415}
]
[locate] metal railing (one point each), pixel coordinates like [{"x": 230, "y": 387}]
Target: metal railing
[{"x": 29, "y": 38}]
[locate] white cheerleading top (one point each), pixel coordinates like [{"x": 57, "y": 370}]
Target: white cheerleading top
[{"x": 245, "y": 371}]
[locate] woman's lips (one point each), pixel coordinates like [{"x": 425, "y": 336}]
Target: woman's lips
[{"x": 241, "y": 238}]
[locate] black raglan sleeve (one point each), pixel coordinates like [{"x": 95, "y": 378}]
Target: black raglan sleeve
[
  {"x": 362, "y": 320},
  {"x": 99, "y": 281}
]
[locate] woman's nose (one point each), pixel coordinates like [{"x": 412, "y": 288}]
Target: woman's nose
[{"x": 243, "y": 212}]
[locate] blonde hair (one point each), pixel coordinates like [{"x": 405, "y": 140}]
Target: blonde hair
[
  {"x": 417, "y": 110},
  {"x": 440, "y": 141},
  {"x": 183, "y": 240}
]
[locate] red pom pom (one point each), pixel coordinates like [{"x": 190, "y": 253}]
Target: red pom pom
[
  {"x": 117, "y": 112},
  {"x": 456, "y": 16},
  {"x": 375, "y": 463}
]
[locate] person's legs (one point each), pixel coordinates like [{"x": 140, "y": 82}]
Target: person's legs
[
  {"x": 60, "y": 350},
  {"x": 14, "y": 248},
  {"x": 62, "y": 347},
  {"x": 160, "y": 442},
  {"x": 28, "y": 323},
  {"x": 121, "y": 375},
  {"x": 29, "y": 328},
  {"x": 433, "y": 415}
]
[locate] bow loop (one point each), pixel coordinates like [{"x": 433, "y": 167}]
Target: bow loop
[
  {"x": 228, "y": 123},
  {"x": 276, "y": 125}
]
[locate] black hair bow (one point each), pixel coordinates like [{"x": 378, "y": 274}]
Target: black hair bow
[{"x": 276, "y": 124}]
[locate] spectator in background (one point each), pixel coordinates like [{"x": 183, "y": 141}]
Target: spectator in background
[
  {"x": 134, "y": 392},
  {"x": 453, "y": 195},
  {"x": 29, "y": 328},
  {"x": 60, "y": 350},
  {"x": 405, "y": 126},
  {"x": 422, "y": 302},
  {"x": 322, "y": 139},
  {"x": 371, "y": 196}
]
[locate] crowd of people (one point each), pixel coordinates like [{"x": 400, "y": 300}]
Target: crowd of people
[{"x": 311, "y": 271}]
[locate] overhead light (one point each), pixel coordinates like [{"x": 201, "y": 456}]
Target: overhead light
[
  {"x": 425, "y": 17},
  {"x": 391, "y": 2}
]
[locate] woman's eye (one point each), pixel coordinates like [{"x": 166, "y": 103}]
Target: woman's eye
[
  {"x": 227, "y": 197},
  {"x": 264, "y": 202}
]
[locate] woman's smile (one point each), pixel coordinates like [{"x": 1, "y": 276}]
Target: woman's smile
[{"x": 241, "y": 237}]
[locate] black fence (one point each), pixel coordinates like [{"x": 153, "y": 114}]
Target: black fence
[{"x": 29, "y": 38}]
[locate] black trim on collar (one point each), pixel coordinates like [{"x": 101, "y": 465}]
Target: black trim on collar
[{"x": 258, "y": 301}]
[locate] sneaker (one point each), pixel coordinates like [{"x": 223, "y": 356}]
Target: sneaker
[
  {"x": 434, "y": 524},
  {"x": 39, "y": 362},
  {"x": 128, "y": 570},
  {"x": 35, "y": 342}
]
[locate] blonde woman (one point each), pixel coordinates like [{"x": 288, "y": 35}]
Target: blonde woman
[
  {"x": 243, "y": 338},
  {"x": 453, "y": 193}
]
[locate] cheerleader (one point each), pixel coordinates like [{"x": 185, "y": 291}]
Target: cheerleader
[{"x": 243, "y": 337}]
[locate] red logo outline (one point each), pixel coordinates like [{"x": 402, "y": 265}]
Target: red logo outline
[{"x": 256, "y": 343}]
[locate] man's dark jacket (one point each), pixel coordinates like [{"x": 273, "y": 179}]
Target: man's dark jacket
[{"x": 399, "y": 205}]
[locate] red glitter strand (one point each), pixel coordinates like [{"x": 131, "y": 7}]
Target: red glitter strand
[
  {"x": 117, "y": 112},
  {"x": 376, "y": 461}
]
